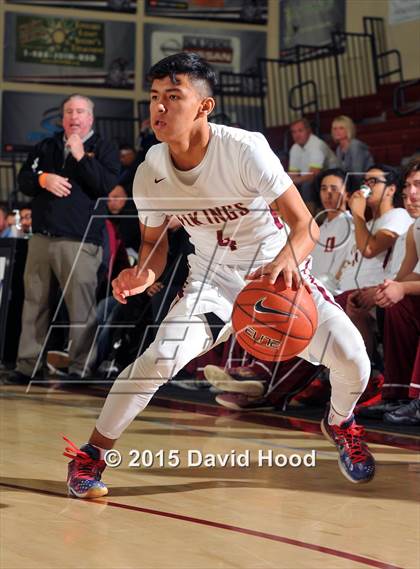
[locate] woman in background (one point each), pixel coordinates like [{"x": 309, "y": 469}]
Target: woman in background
[{"x": 353, "y": 154}]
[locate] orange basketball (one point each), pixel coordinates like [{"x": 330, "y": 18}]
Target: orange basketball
[{"x": 272, "y": 322}]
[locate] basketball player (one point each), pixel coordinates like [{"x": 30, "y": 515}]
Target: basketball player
[
  {"x": 336, "y": 231},
  {"x": 220, "y": 182}
]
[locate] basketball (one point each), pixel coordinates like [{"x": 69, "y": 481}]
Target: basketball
[{"x": 273, "y": 322}]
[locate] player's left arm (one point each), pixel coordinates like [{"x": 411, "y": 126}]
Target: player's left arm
[{"x": 304, "y": 233}]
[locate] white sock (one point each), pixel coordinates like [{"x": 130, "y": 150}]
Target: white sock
[{"x": 335, "y": 418}]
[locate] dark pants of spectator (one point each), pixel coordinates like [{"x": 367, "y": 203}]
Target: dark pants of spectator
[
  {"x": 401, "y": 349},
  {"x": 133, "y": 326}
]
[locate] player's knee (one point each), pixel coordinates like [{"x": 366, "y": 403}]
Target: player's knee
[
  {"x": 158, "y": 363},
  {"x": 350, "y": 356}
]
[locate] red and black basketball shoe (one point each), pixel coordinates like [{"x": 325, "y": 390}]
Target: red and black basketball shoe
[
  {"x": 355, "y": 460},
  {"x": 85, "y": 471}
]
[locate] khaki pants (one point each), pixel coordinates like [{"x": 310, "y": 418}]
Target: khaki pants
[{"x": 75, "y": 267}]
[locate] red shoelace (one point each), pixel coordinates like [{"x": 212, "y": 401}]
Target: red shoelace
[
  {"x": 72, "y": 451},
  {"x": 86, "y": 465},
  {"x": 351, "y": 438}
]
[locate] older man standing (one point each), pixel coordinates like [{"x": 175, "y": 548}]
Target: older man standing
[{"x": 66, "y": 175}]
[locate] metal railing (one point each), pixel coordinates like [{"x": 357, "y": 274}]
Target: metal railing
[
  {"x": 8, "y": 183},
  {"x": 356, "y": 72},
  {"x": 400, "y": 105},
  {"x": 11, "y": 159},
  {"x": 308, "y": 101},
  {"x": 143, "y": 110},
  {"x": 307, "y": 65},
  {"x": 241, "y": 97},
  {"x": 121, "y": 130},
  {"x": 385, "y": 68},
  {"x": 345, "y": 68},
  {"x": 389, "y": 61}
]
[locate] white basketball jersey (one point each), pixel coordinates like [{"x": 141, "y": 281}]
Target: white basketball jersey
[
  {"x": 363, "y": 272},
  {"x": 332, "y": 249},
  {"x": 225, "y": 210},
  {"x": 397, "y": 257}
]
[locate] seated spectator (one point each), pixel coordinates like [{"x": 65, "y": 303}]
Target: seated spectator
[
  {"x": 308, "y": 156},
  {"x": 364, "y": 270},
  {"x": 120, "y": 202},
  {"x": 4, "y": 226},
  {"x": 336, "y": 231},
  {"x": 132, "y": 327},
  {"x": 147, "y": 138},
  {"x": 410, "y": 202},
  {"x": 401, "y": 300},
  {"x": 125, "y": 218},
  {"x": 25, "y": 214},
  {"x": 117, "y": 199},
  {"x": 353, "y": 154},
  {"x": 128, "y": 156},
  {"x": 130, "y": 161},
  {"x": 16, "y": 223}
]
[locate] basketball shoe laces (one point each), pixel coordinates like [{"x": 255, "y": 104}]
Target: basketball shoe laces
[
  {"x": 351, "y": 439},
  {"x": 85, "y": 465}
]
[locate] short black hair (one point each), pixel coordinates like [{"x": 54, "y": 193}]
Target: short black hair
[
  {"x": 185, "y": 63},
  {"x": 126, "y": 146},
  {"x": 339, "y": 172},
  {"x": 412, "y": 167},
  {"x": 392, "y": 175}
]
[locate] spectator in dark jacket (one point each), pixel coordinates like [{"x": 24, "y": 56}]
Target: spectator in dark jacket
[{"x": 67, "y": 175}]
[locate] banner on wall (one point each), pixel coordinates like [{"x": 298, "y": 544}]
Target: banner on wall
[
  {"x": 403, "y": 11},
  {"x": 108, "y": 5},
  {"x": 227, "y": 50},
  {"x": 60, "y": 42},
  {"x": 69, "y": 51},
  {"x": 310, "y": 22},
  {"x": 30, "y": 117},
  {"x": 251, "y": 11}
]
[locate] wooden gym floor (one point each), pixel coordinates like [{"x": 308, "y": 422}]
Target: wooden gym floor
[{"x": 189, "y": 517}]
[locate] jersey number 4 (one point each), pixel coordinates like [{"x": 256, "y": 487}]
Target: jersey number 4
[{"x": 226, "y": 241}]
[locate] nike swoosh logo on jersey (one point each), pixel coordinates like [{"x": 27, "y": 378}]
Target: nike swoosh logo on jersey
[
  {"x": 259, "y": 307},
  {"x": 160, "y": 179}
]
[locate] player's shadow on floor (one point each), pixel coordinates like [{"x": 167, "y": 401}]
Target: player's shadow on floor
[
  {"x": 324, "y": 477},
  {"x": 225, "y": 434}
]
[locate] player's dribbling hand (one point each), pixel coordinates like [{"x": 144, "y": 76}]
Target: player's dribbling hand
[
  {"x": 128, "y": 283},
  {"x": 271, "y": 272}
]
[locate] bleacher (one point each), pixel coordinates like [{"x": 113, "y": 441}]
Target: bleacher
[{"x": 354, "y": 75}]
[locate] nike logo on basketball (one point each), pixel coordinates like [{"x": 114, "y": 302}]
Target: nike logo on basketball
[
  {"x": 259, "y": 307},
  {"x": 160, "y": 179}
]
